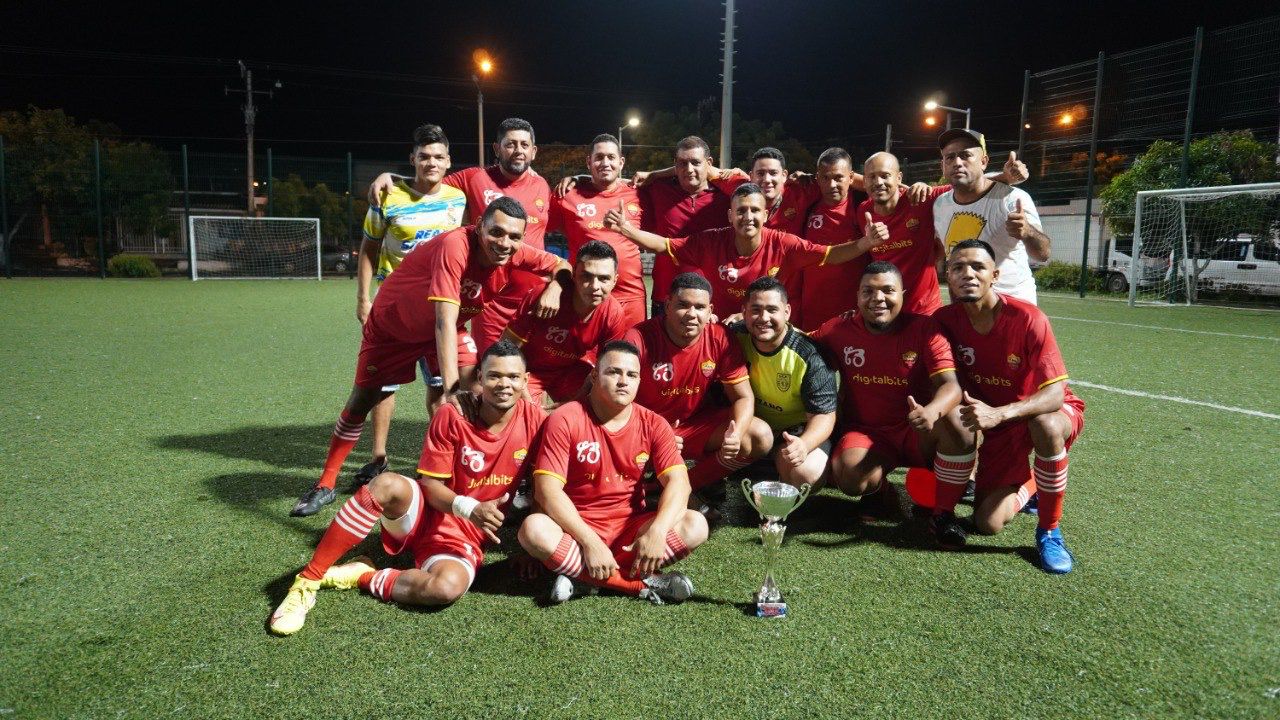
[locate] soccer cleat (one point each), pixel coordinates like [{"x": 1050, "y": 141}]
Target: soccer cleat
[
  {"x": 1033, "y": 505},
  {"x": 347, "y": 576},
  {"x": 879, "y": 504},
  {"x": 1054, "y": 555},
  {"x": 291, "y": 613},
  {"x": 970, "y": 490},
  {"x": 523, "y": 499},
  {"x": 673, "y": 586},
  {"x": 947, "y": 530},
  {"x": 368, "y": 472},
  {"x": 312, "y": 500},
  {"x": 565, "y": 587}
]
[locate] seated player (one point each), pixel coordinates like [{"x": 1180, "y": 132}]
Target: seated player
[
  {"x": 794, "y": 388},
  {"x": 420, "y": 312},
  {"x": 561, "y": 350},
  {"x": 467, "y": 474},
  {"x": 887, "y": 359},
  {"x": 682, "y": 354},
  {"x": 594, "y": 528},
  {"x": 411, "y": 212},
  {"x": 1016, "y": 395},
  {"x": 732, "y": 257}
]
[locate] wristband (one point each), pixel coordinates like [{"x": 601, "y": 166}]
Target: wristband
[{"x": 463, "y": 506}]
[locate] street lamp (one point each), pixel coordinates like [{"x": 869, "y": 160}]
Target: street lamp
[
  {"x": 484, "y": 66},
  {"x": 935, "y": 105},
  {"x": 930, "y": 121},
  {"x": 632, "y": 122}
]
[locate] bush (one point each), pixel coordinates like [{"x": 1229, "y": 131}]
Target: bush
[
  {"x": 1065, "y": 276},
  {"x": 132, "y": 266}
]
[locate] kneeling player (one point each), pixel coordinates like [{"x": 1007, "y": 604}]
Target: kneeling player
[
  {"x": 560, "y": 350},
  {"x": 1016, "y": 394},
  {"x": 593, "y": 527},
  {"x": 468, "y": 470},
  {"x": 887, "y": 359},
  {"x": 794, "y": 388}
]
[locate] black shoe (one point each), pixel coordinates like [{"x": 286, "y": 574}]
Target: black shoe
[
  {"x": 879, "y": 504},
  {"x": 948, "y": 531},
  {"x": 968, "y": 493},
  {"x": 312, "y": 500},
  {"x": 368, "y": 472}
]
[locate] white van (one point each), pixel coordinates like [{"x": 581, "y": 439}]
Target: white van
[{"x": 1241, "y": 263}]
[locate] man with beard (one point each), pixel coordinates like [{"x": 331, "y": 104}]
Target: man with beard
[
  {"x": 1016, "y": 395},
  {"x": 901, "y": 395}
]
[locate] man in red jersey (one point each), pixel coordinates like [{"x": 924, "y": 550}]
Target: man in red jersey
[
  {"x": 731, "y": 258},
  {"x": 467, "y": 471},
  {"x": 681, "y": 354},
  {"x": 512, "y": 177},
  {"x": 910, "y": 243},
  {"x": 561, "y": 350},
  {"x": 1016, "y": 395},
  {"x": 594, "y": 528},
  {"x": 900, "y": 391},
  {"x": 420, "y": 312},
  {"x": 824, "y": 292},
  {"x": 579, "y": 214}
]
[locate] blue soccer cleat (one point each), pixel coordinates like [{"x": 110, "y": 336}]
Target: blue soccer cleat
[
  {"x": 1033, "y": 505},
  {"x": 1054, "y": 555}
]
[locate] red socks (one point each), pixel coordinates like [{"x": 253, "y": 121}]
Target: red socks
[
  {"x": 1051, "y": 485},
  {"x": 380, "y": 583},
  {"x": 346, "y": 433},
  {"x": 567, "y": 560},
  {"x": 352, "y": 524},
  {"x": 953, "y": 473},
  {"x": 710, "y": 469}
]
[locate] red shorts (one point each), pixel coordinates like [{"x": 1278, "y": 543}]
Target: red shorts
[
  {"x": 383, "y": 361},
  {"x": 618, "y": 532},
  {"x": 429, "y": 532},
  {"x": 899, "y": 444},
  {"x": 562, "y": 384},
  {"x": 697, "y": 429},
  {"x": 1002, "y": 457}
]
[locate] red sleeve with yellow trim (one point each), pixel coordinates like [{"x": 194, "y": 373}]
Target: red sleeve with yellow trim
[
  {"x": 1044, "y": 360},
  {"x": 439, "y": 443},
  {"x": 799, "y": 253},
  {"x": 554, "y": 445},
  {"x": 663, "y": 452},
  {"x": 937, "y": 355},
  {"x": 731, "y": 365},
  {"x": 452, "y": 252}
]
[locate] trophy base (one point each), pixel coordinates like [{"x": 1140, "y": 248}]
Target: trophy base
[{"x": 770, "y": 609}]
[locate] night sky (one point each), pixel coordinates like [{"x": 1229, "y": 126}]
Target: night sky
[{"x": 361, "y": 80}]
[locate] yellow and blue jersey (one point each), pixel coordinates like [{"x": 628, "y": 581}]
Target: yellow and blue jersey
[
  {"x": 789, "y": 382},
  {"x": 407, "y": 218}
]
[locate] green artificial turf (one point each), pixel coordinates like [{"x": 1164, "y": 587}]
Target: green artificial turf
[{"x": 155, "y": 434}]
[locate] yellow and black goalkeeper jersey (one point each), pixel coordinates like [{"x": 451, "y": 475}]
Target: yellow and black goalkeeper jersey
[{"x": 790, "y": 381}]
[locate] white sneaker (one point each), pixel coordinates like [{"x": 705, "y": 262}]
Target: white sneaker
[
  {"x": 673, "y": 586},
  {"x": 565, "y": 587}
]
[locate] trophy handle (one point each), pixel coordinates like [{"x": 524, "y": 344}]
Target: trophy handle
[
  {"x": 746, "y": 490},
  {"x": 804, "y": 494}
]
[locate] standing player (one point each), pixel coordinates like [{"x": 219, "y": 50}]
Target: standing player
[
  {"x": 467, "y": 471},
  {"x": 908, "y": 240},
  {"x": 731, "y": 258},
  {"x": 579, "y": 214},
  {"x": 1016, "y": 395},
  {"x": 561, "y": 350},
  {"x": 681, "y": 354},
  {"x": 404, "y": 217},
  {"x": 794, "y": 388},
  {"x": 593, "y": 527},
  {"x": 888, "y": 358},
  {"x": 824, "y": 292},
  {"x": 979, "y": 208},
  {"x": 511, "y": 177},
  {"x": 420, "y": 312}
]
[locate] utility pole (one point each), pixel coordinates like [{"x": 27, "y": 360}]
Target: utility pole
[
  {"x": 726, "y": 91},
  {"x": 888, "y": 136},
  {"x": 250, "y": 115}
]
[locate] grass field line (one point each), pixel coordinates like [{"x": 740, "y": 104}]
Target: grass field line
[
  {"x": 1152, "y": 303},
  {"x": 1166, "y": 327},
  {"x": 1175, "y": 398}
]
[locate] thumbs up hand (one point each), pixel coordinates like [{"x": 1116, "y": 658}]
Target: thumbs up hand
[
  {"x": 876, "y": 233},
  {"x": 920, "y": 416},
  {"x": 488, "y": 517},
  {"x": 1016, "y": 224},
  {"x": 731, "y": 443},
  {"x": 616, "y": 218},
  {"x": 1015, "y": 171},
  {"x": 977, "y": 415},
  {"x": 794, "y": 449}
]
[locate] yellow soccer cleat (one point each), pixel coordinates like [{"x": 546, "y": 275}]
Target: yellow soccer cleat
[
  {"x": 347, "y": 577},
  {"x": 292, "y": 612}
]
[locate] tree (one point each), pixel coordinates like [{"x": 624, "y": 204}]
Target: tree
[{"x": 292, "y": 198}]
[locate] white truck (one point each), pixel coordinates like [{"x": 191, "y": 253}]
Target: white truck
[{"x": 1240, "y": 263}]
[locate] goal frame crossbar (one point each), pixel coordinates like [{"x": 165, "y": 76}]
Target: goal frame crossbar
[{"x": 191, "y": 246}]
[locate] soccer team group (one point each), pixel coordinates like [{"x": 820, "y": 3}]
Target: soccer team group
[{"x": 790, "y": 327}]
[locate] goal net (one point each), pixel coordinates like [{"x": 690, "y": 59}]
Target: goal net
[
  {"x": 1197, "y": 244},
  {"x": 249, "y": 247}
]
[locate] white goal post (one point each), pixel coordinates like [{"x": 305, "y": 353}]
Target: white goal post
[
  {"x": 238, "y": 248},
  {"x": 1193, "y": 243}
]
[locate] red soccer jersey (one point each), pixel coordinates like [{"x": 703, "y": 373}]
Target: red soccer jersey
[
  {"x": 669, "y": 211},
  {"x": 716, "y": 256},
  {"x": 580, "y": 216},
  {"x": 475, "y": 462},
  {"x": 1012, "y": 361},
  {"x": 791, "y": 210},
  {"x": 567, "y": 338},
  {"x": 879, "y": 371},
  {"x": 912, "y": 247},
  {"x": 674, "y": 380},
  {"x": 821, "y": 293},
  {"x": 448, "y": 268},
  {"x": 601, "y": 469}
]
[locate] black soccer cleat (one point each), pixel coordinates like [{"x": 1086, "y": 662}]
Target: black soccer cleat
[
  {"x": 368, "y": 472},
  {"x": 312, "y": 500},
  {"x": 947, "y": 531},
  {"x": 969, "y": 493}
]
